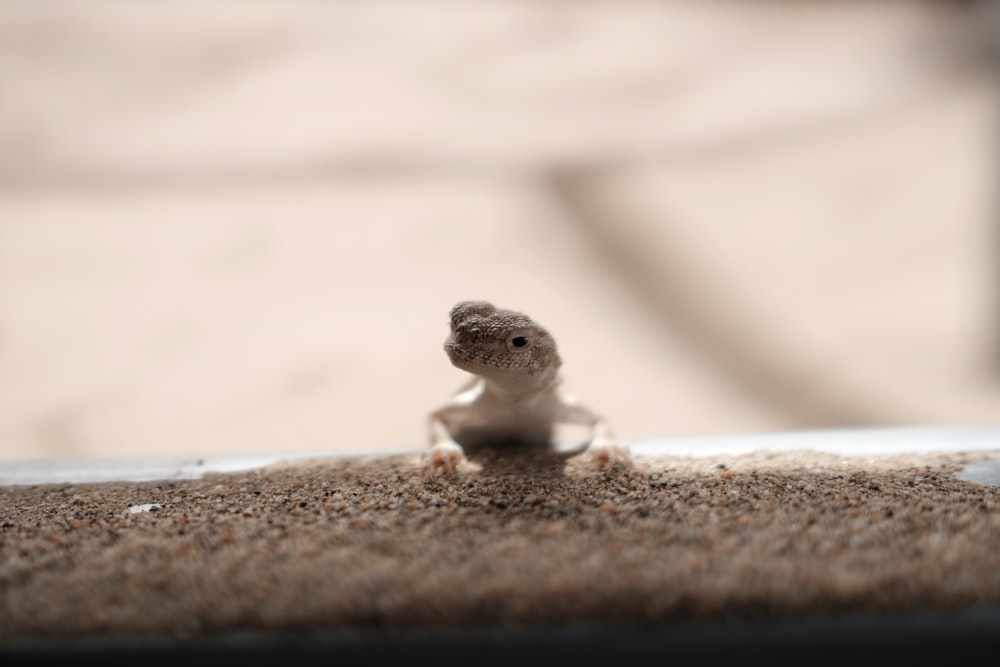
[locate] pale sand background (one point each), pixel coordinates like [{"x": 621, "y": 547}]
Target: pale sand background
[{"x": 238, "y": 227}]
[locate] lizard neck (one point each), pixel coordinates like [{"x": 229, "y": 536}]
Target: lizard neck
[{"x": 519, "y": 388}]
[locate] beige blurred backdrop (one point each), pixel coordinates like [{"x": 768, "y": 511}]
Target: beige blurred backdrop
[{"x": 239, "y": 226}]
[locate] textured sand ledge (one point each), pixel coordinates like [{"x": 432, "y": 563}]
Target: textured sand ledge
[{"x": 370, "y": 542}]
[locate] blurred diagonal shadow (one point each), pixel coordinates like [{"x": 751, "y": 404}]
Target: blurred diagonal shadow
[{"x": 662, "y": 277}]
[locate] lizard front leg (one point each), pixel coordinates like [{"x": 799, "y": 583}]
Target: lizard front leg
[
  {"x": 602, "y": 448},
  {"x": 444, "y": 454}
]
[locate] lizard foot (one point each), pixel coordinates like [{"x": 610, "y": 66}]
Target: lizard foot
[
  {"x": 607, "y": 454},
  {"x": 443, "y": 457}
]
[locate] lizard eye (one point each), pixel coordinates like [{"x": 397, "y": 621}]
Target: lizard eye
[{"x": 518, "y": 341}]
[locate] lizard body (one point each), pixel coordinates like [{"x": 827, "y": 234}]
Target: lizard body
[{"x": 513, "y": 397}]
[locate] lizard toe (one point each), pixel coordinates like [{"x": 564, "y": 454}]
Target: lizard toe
[
  {"x": 443, "y": 457},
  {"x": 607, "y": 454}
]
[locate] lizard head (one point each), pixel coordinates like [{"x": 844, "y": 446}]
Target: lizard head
[{"x": 502, "y": 345}]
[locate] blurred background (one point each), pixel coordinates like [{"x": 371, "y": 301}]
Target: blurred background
[{"x": 239, "y": 226}]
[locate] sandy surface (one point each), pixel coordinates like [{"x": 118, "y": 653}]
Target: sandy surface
[{"x": 370, "y": 542}]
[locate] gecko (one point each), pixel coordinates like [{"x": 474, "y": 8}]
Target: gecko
[{"x": 512, "y": 397}]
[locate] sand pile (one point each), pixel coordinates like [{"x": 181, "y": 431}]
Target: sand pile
[{"x": 526, "y": 539}]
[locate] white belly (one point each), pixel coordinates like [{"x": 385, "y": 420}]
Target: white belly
[{"x": 492, "y": 421}]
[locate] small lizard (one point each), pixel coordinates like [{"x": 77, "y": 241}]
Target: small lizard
[{"x": 512, "y": 398}]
